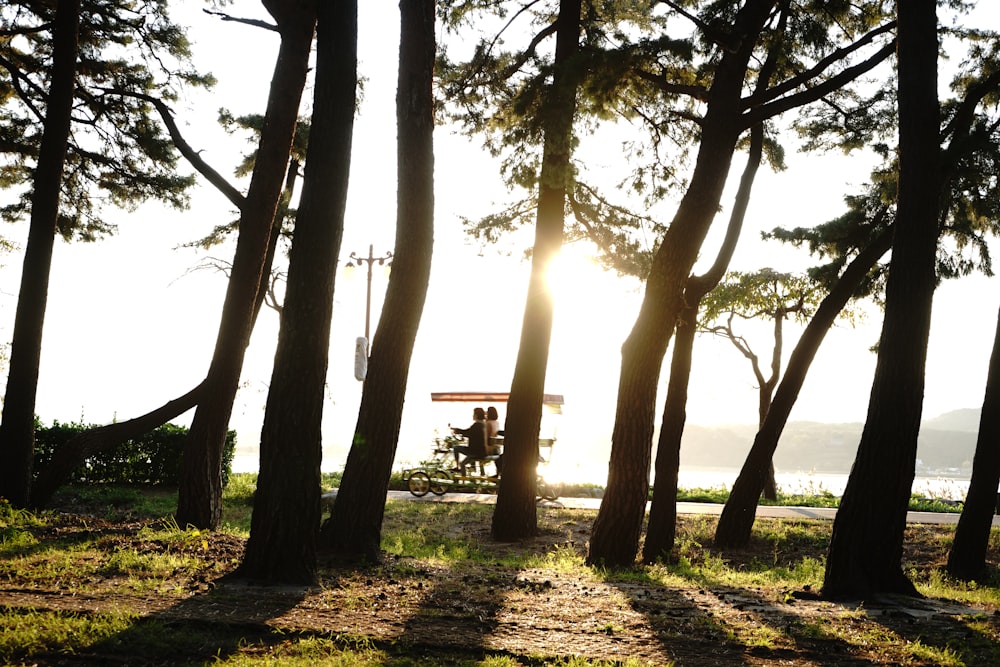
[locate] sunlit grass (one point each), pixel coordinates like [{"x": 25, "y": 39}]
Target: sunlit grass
[
  {"x": 560, "y": 559},
  {"x": 433, "y": 533},
  {"x": 943, "y": 657},
  {"x": 62, "y": 565},
  {"x": 336, "y": 652},
  {"x": 937, "y": 584},
  {"x": 156, "y": 566},
  {"x": 27, "y": 633}
]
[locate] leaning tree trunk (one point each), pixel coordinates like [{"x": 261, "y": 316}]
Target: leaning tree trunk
[
  {"x": 17, "y": 429},
  {"x": 515, "y": 515},
  {"x": 661, "y": 529},
  {"x": 614, "y": 539},
  {"x": 736, "y": 521},
  {"x": 199, "y": 501},
  {"x": 967, "y": 558},
  {"x": 71, "y": 455},
  {"x": 284, "y": 526},
  {"x": 354, "y": 529},
  {"x": 615, "y": 536},
  {"x": 866, "y": 547}
]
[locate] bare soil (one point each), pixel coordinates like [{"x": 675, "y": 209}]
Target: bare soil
[{"x": 425, "y": 607}]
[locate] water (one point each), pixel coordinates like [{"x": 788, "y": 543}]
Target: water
[{"x": 949, "y": 488}]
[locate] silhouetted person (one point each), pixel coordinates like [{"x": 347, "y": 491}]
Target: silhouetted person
[{"x": 475, "y": 436}]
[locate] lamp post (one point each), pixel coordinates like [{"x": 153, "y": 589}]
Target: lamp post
[{"x": 370, "y": 260}]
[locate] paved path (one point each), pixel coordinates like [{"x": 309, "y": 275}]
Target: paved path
[{"x": 686, "y": 508}]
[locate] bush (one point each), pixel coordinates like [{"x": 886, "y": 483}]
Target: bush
[{"x": 153, "y": 458}]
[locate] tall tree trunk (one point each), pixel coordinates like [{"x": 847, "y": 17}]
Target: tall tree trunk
[
  {"x": 614, "y": 540},
  {"x": 354, "y": 529},
  {"x": 736, "y": 522},
  {"x": 284, "y": 526},
  {"x": 17, "y": 428},
  {"x": 515, "y": 516},
  {"x": 866, "y": 547},
  {"x": 661, "y": 529},
  {"x": 967, "y": 558},
  {"x": 199, "y": 501}
]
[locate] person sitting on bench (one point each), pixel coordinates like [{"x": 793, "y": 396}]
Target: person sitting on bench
[{"x": 476, "y": 437}]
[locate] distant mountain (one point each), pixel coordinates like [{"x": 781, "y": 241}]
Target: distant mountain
[
  {"x": 945, "y": 447},
  {"x": 966, "y": 419}
]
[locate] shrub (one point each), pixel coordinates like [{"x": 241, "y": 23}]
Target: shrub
[{"x": 153, "y": 458}]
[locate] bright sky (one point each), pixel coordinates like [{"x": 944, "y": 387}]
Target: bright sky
[{"x": 129, "y": 326}]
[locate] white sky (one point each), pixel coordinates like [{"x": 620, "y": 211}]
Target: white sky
[{"x": 129, "y": 328}]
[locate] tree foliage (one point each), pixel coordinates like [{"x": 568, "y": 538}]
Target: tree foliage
[{"x": 118, "y": 153}]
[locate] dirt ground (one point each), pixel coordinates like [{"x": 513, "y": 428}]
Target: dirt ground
[{"x": 546, "y": 611}]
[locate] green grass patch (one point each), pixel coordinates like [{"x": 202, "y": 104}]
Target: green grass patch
[{"x": 27, "y": 633}]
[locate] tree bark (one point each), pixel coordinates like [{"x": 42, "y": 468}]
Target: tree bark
[
  {"x": 354, "y": 529},
  {"x": 967, "y": 558},
  {"x": 615, "y": 537},
  {"x": 284, "y": 526},
  {"x": 515, "y": 515},
  {"x": 866, "y": 546},
  {"x": 199, "y": 501},
  {"x": 661, "y": 529},
  {"x": 17, "y": 428}
]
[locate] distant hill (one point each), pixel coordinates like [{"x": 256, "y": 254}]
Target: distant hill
[
  {"x": 945, "y": 447},
  {"x": 966, "y": 419}
]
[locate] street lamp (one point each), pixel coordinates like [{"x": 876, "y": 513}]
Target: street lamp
[{"x": 370, "y": 260}]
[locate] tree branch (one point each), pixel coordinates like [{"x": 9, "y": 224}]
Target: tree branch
[
  {"x": 252, "y": 22},
  {"x": 832, "y": 84},
  {"x": 192, "y": 156}
]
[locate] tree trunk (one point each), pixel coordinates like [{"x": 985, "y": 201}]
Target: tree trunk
[
  {"x": 615, "y": 537},
  {"x": 199, "y": 500},
  {"x": 17, "y": 428},
  {"x": 355, "y": 527},
  {"x": 866, "y": 546},
  {"x": 662, "y": 527},
  {"x": 515, "y": 515},
  {"x": 661, "y": 530},
  {"x": 766, "y": 395},
  {"x": 77, "y": 450},
  {"x": 967, "y": 558},
  {"x": 284, "y": 527},
  {"x": 736, "y": 521}
]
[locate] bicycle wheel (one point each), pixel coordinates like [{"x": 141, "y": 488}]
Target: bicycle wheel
[
  {"x": 440, "y": 481},
  {"x": 419, "y": 483}
]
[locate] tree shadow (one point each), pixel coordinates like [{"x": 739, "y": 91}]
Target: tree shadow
[
  {"x": 940, "y": 629},
  {"x": 735, "y": 625},
  {"x": 684, "y": 630},
  {"x": 208, "y": 626},
  {"x": 459, "y": 612}
]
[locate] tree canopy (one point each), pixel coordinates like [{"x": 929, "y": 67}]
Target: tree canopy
[{"x": 118, "y": 152}]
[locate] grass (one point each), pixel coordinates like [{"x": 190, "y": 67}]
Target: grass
[
  {"x": 812, "y": 497},
  {"x": 420, "y": 538}
]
